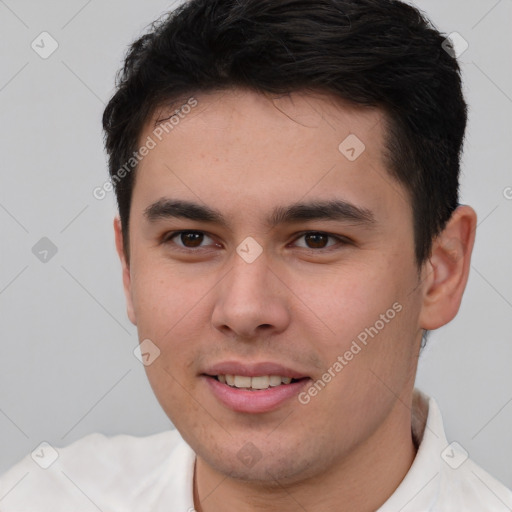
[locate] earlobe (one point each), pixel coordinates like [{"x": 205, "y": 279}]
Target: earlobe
[
  {"x": 447, "y": 272},
  {"x": 127, "y": 285}
]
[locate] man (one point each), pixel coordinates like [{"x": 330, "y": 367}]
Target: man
[{"x": 289, "y": 230}]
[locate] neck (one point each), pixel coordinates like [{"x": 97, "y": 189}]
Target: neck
[{"x": 361, "y": 482}]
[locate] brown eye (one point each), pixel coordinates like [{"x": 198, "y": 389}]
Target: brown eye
[
  {"x": 318, "y": 240},
  {"x": 186, "y": 239},
  {"x": 191, "y": 239}
]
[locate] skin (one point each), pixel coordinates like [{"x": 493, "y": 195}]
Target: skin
[{"x": 299, "y": 303}]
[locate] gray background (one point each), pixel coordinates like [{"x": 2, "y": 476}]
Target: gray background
[{"x": 67, "y": 366}]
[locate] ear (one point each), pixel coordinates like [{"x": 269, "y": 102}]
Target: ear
[
  {"x": 127, "y": 283},
  {"x": 446, "y": 273}
]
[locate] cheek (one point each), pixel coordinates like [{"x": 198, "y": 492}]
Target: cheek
[
  {"x": 172, "y": 391},
  {"x": 370, "y": 319},
  {"x": 347, "y": 300},
  {"x": 162, "y": 299},
  {"x": 170, "y": 311}
]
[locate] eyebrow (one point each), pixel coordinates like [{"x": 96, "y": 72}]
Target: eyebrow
[{"x": 337, "y": 210}]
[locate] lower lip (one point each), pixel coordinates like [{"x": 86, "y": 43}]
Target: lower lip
[{"x": 264, "y": 400}]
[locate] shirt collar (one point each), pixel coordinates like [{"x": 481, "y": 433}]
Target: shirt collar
[{"x": 420, "y": 487}]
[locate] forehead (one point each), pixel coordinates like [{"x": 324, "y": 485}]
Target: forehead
[
  {"x": 256, "y": 148},
  {"x": 309, "y": 111}
]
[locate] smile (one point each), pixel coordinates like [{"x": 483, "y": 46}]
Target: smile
[{"x": 257, "y": 394}]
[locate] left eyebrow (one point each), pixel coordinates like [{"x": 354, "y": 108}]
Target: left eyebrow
[{"x": 337, "y": 210}]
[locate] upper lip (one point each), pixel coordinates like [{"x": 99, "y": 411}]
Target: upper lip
[{"x": 252, "y": 369}]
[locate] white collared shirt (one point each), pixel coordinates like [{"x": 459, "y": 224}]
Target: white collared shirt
[{"x": 155, "y": 474}]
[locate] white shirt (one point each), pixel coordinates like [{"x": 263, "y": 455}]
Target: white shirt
[{"x": 155, "y": 474}]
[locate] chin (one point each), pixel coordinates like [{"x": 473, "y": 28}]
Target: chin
[{"x": 271, "y": 470}]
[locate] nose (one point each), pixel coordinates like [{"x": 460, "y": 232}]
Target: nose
[{"x": 252, "y": 300}]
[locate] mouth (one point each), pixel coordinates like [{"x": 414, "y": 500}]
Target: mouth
[
  {"x": 256, "y": 383},
  {"x": 254, "y": 387}
]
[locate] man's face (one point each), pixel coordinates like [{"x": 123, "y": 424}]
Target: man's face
[{"x": 289, "y": 298}]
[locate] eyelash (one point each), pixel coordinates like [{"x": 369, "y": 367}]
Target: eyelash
[{"x": 341, "y": 241}]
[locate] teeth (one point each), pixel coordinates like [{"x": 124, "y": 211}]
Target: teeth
[
  {"x": 275, "y": 380},
  {"x": 242, "y": 382},
  {"x": 260, "y": 382}
]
